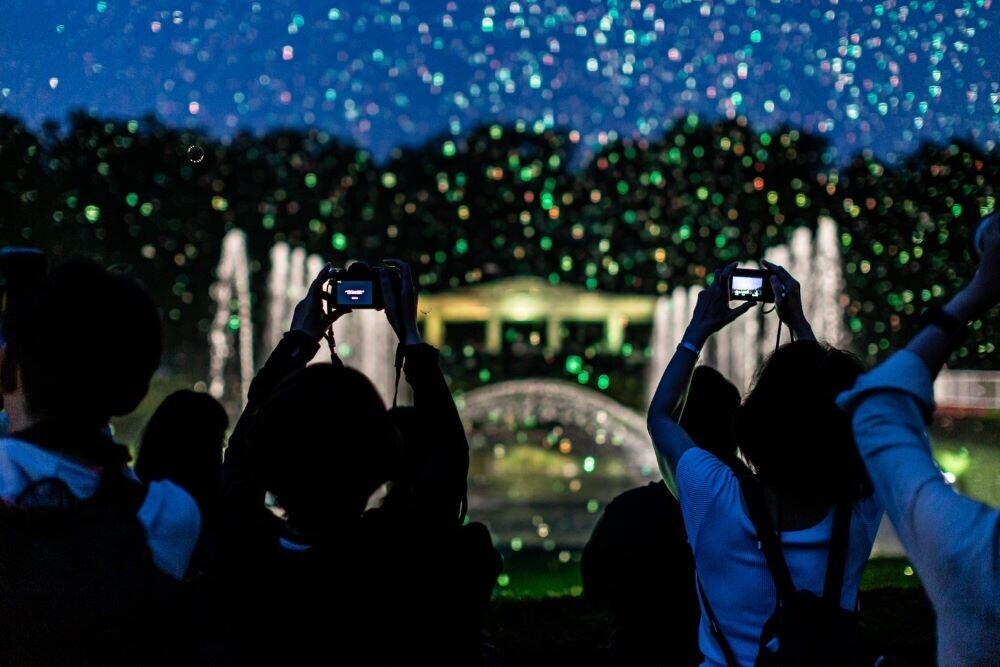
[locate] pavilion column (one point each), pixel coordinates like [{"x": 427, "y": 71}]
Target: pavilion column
[
  {"x": 553, "y": 341},
  {"x": 494, "y": 335},
  {"x": 434, "y": 329},
  {"x": 614, "y": 333}
]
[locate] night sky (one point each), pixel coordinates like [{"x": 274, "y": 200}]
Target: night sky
[{"x": 885, "y": 75}]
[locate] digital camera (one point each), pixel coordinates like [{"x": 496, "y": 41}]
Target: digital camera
[
  {"x": 357, "y": 287},
  {"x": 751, "y": 285}
]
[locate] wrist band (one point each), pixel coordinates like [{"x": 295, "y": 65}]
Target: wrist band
[
  {"x": 938, "y": 317},
  {"x": 690, "y": 347}
]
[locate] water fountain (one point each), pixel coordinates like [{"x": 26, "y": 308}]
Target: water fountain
[
  {"x": 233, "y": 284},
  {"x": 546, "y": 456},
  {"x": 364, "y": 338},
  {"x": 814, "y": 259}
]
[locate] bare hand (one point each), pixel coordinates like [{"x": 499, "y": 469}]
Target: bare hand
[
  {"x": 310, "y": 316},
  {"x": 788, "y": 301},
  {"x": 400, "y": 298},
  {"x": 712, "y": 312}
]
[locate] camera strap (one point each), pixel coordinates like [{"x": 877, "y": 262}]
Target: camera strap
[
  {"x": 330, "y": 340},
  {"x": 399, "y": 372}
]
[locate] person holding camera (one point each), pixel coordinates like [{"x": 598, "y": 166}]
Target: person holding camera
[
  {"x": 88, "y": 556},
  {"x": 317, "y": 441},
  {"x": 320, "y": 441},
  {"x": 768, "y": 545},
  {"x": 953, "y": 541}
]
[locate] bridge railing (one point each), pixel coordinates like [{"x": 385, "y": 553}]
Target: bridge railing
[{"x": 967, "y": 390}]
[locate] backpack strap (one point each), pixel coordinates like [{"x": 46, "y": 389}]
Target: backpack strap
[
  {"x": 771, "y": 544},
  {"x": 117, "y": 487},
  {"x": 768, "y": 536},
  {"x": 52, "y": 493},
  {"x": 713, "y": 624},
  {"x": 837, "y": 560},
  {"x": 47, "y": 493}
]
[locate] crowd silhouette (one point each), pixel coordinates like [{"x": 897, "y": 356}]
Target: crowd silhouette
[{"x": 334, "y": 528}]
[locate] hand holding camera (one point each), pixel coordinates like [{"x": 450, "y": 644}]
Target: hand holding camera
[
  {"x": 712, "y": 312},
  {"x": 310, "y": 316},
  {"x": 788, "y": 300},
  {"x": 336, "y": 292},
  {"x": 360, "y": 286},
  {"x": 400, "y": 297}
]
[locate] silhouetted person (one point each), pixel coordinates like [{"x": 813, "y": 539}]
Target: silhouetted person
[
  {"x": 638, "y": 561},
  {"x": 427, "y": 501},
  {"x": 810, "y": 497},
  {"x": 400, "y": 582},
  {"x": 88, "y": 556},
  {"x": 183, "y": 442}
]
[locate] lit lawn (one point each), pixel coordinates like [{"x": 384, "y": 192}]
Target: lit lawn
[
  {"x": 540, "y": 574},
  {"x": 539, "y": 616}
]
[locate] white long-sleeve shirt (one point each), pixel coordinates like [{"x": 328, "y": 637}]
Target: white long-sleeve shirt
[{"x": 953, "y": 541}]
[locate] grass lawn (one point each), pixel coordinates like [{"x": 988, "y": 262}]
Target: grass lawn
[
  {"x": 571, "y": 631},
  {"x": 541, "y": 574},
  {"x": 539, "y": 615}
]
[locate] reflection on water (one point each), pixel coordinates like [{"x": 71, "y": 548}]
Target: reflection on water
[{"x": 546, "y": 456}]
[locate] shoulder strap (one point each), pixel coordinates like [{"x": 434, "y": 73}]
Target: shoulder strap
[
  {"x": 47, "y": 493},
  {"x": 837, "y": 560},
  {"x": 770, "y": 543},
  {"x": 713, "y": 623},
  {"x": 117, "y": 487}
]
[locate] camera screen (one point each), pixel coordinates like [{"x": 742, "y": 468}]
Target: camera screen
[
  {"x": 354, "y": 293},
  {"x": 748, "y": 287}
]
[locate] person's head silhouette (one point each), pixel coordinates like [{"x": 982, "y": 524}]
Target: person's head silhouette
[
  {"x": 709, "y": 414},
  {"x": 414, "y": 434},
  {"x": 182, "y": 442},
  {"x": 327, "y": 444},
  {"x": 82, "y": 348},
  {"x": 791, "y": 430}
]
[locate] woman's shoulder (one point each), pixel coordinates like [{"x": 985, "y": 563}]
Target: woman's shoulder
[
  {"x": 705, "y": 483},
  {"x": 698, "y": 466}
]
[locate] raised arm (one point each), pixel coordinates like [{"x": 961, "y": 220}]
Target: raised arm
[
  {"x": 711, "y": 313},
  {"x": 953, "y": 541},
  {"x": 439, "y": 483},
  {"x": 241, "y": 478},
  {"x": 788, "y": 301}
]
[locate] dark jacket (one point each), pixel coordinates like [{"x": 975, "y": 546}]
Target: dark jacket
[
  {"x": 638, "y": 563},
  {"x": 405, "y": 581}
]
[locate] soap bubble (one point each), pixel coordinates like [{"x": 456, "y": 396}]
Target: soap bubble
[{"x": 196, "y": 154}]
